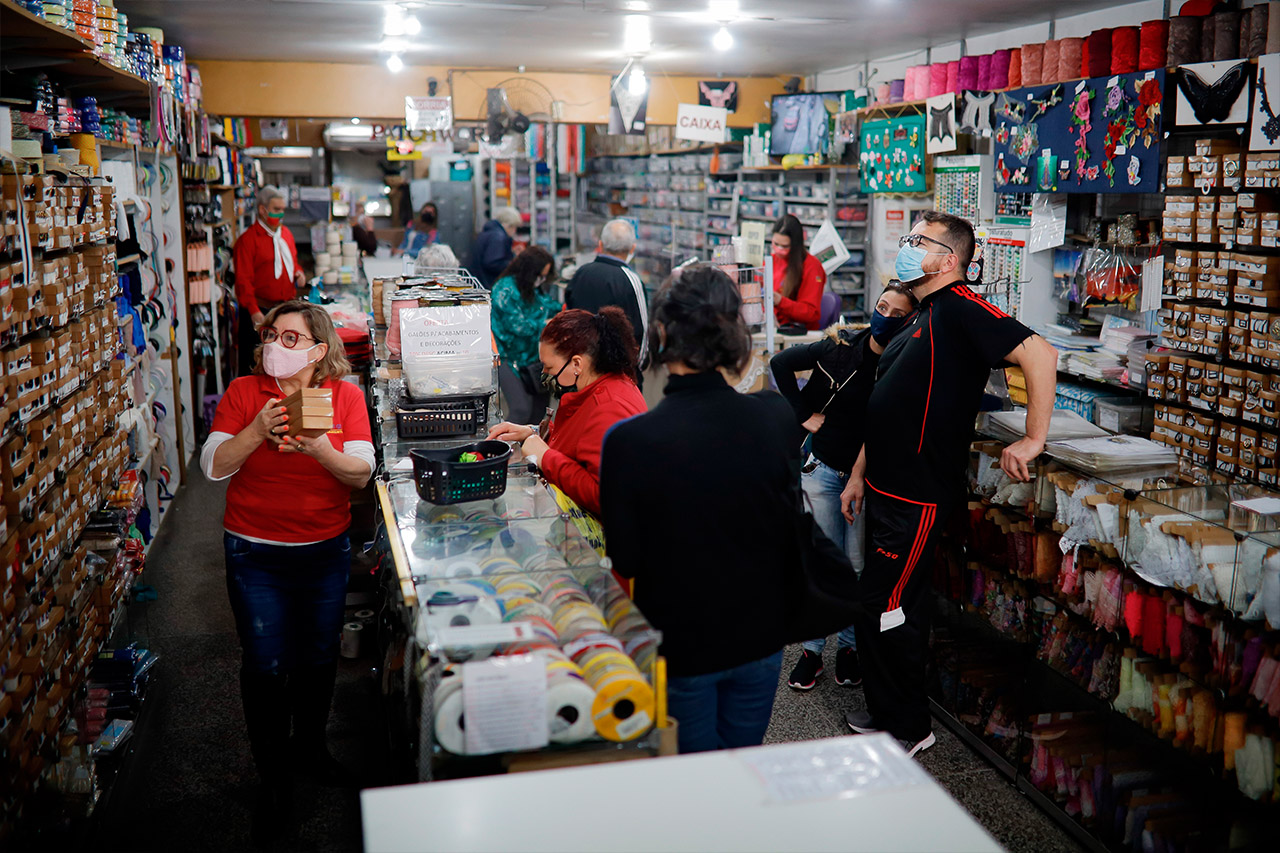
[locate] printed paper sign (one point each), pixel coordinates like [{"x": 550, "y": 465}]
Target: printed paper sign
[
  {"x": 428, "y": 113},
  {"x": 705, "y": 124},
  {"x": 445, "y": 330},
  {"x": 504, "y": 701}
]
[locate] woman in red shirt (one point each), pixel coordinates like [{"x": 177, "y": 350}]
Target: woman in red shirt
[
  {"x": 798, "y": 277},
  {"x": 286, "y": 546},
  {"x": 588, "y": 361}
]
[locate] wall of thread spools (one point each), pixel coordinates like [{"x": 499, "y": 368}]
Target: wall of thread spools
[{"x": 338, "y": 259}]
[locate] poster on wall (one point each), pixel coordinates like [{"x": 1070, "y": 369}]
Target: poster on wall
[
  {"x": 428, "y": 113},
  {"x": 626, "y": 109},
  {"x": 274, "y": 129},
  {"x": 941, "y": 112},
  {"x": 1211, "y": 93},
  {"x": 1100, "y": 135},
  {"x": 719, "y": 93},
  {"x": 892, "y": 156},
  {"x": 1265, "y": 134}
]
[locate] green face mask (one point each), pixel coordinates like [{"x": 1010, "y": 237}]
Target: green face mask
[{"x": 275, "y": 217}]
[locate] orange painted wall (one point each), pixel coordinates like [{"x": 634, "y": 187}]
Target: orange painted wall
[{"x": 336, "y": 90}]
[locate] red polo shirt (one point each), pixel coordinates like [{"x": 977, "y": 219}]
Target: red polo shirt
[
  {"x": 288, "y": 497},
  {"x": 255, "y": 255}
]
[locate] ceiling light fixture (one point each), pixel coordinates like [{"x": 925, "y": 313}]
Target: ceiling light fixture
[
  {"x": 400, "y": 23},
  {"x": 394, "y": 63},
  {"x": 636, "y": 39},
  {"x": 355, "y": 120},
  {"x": 723, "y": 10},
  {"x": 637, "y": 84},
  {"x": 722, "y": 40},
  {"x": 412, "y": 26}
]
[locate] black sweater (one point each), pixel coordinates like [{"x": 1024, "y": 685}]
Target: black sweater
[
  {"x": 842, "y": 360},
  {"x": 697, "y": 498}
]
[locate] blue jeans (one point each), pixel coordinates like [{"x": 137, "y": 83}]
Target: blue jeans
[
  {"x": 822, "y": 487},
  {"x": 726, "y": 709},
  {"x": 288, "y": 601}
]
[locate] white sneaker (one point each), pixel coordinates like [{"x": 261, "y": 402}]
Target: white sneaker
[{"x": 921, "y": 746}]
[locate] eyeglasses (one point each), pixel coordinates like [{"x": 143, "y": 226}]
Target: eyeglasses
[
  {"x": 914, "y": 240},
  {"x": 289, "y": 339}
]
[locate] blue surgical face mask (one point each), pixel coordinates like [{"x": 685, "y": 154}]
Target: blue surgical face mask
[
  {"x": 909, "y": 265},
  {"x": 884, "y": 328}
]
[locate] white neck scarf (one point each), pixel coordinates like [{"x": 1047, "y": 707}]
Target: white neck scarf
[{"x": 284, "y": 257}]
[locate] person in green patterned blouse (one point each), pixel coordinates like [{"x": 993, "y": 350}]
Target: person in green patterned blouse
[{"x": 520, "y": 309}]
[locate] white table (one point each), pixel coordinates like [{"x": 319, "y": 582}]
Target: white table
[{"x": 869, "y": 797}]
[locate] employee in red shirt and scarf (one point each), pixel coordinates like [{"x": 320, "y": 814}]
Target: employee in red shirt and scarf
[
  {"x": 267, "y": 270},
  {"x": 798, "y": 277},
  {"x": 589, "y": 364},
  {"x": 287, "y": 552}
]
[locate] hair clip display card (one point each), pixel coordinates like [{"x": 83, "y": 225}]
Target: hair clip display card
[
  {"x": 1265, "y": 127},
  {"x": 942, "y": 124},
  {"x": 1212, "y": 93},
  {"x": 1097, "y": 135},
  {"x": 892, "y": 155}
]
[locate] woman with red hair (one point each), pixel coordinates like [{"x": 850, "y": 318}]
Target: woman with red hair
[{"x": 589, "y": 364}]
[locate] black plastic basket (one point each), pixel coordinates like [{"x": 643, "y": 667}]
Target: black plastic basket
[
  {"x": 442, "y": 417},
  {"x": 441, "y": 480}
]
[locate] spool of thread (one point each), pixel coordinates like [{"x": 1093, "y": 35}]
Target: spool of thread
[
  {"x": 350, "y": 645},
  {"x": 1050, "y": 61},
  {"x": 1165, "y": 708},
  {"x": 937, "y": 79},
  {"x": 883, "y": 93},
  {"x": 1208, "y": 37},
  {"x": 953, "y": 76},
  {"x": 1232, "y": 737},
  {"x": 1226, "y": 36},
  {"x": 1099, "y": 53},
  {"x": 1032, "y": 64},
  {"x": 323, "y": 261},
  {"x": 1133, "y": 613},
  {"x": 1015, "y": 68},
  {"x": 1000, "y": 69},
  {"x": 1070, "y": 58},
  {"x": 1153, "y": 45},
  {"x": 569, "y": 708},
  {"x": 967, "y": 73},
  {"x": 1259, "y": 30},
  {"x": 1124, "y": 49},
  {"x": 896, "y": 90},
  {"x": 350, "y": 248},
  {"x": 984, "y": 71},
  {"x": 449, "y": 723},
  {"x": 365, "y": 616},
  {"x": 1173, "y": 626},
  {"x": 1202, "y": 720},
  {"x": 1184, "y": 40}
]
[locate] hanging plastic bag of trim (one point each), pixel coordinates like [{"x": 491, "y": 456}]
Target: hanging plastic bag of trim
[{"x": 1111, "y": 277}]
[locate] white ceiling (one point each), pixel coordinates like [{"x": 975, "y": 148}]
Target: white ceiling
[{"x": 773, "y": 36}]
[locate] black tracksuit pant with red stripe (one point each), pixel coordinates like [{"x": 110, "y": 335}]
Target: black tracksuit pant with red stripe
[{"x": 892, "y": 621}]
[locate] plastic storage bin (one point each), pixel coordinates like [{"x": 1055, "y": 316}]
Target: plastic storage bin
[
  {"x": 1123, "y": 416},
  {"x": 448, "y": 376},
  {"x": 443, "y": 417}
]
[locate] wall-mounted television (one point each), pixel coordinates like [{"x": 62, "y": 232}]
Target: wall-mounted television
[{"x": 801, "y": 123}]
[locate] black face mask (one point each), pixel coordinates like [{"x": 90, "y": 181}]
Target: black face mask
[{"x": 553, "y": 386}]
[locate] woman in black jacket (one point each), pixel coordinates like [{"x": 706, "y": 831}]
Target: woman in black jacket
[
  {"x": 832, "y": 407},
  {"x": 692, "y": 496}
]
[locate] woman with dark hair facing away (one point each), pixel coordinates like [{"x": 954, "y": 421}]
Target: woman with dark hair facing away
[
  {"x": 798, "y": 277},
  {"x": 589, "y": 363},
  {"x": 421, "y": 233},
  {"x": 519, "y": 312},
  {"x": 832, "y": 407},
  {"x": 715, "y": 473}
]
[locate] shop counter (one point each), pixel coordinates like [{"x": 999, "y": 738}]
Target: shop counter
[{"x": 848, "y": 794}]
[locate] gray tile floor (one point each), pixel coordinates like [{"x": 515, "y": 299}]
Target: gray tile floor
[
  {"x": 191, "y": 786},
  {"x": 1012, "y": 819}
]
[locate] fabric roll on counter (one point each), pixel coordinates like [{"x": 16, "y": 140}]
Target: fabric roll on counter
[
  {"x": 1124, "y": 49},
  {"x": 1032, "y": 64},
  {"x": 1153, "y": 45},
  {"x": 1051, "y": 61}
]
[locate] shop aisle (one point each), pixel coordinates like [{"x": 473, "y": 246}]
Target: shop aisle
[
  {"x": 1014, "y": 821},
  {"x": 191, "y": 784}
]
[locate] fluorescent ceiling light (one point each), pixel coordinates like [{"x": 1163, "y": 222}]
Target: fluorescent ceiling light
[
  {"x": 722, "y": 40},
  {"x": 395, "y": 63},
  {"x": 637, "y": 39},
  {"x": 723, "y": 10},
  {"x": 400, "y": 23},
  {"x": 355, "y": 121}
]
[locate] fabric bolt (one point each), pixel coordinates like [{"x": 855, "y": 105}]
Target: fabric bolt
[
  {"x": 937, "y": 79},
  {"x": 1259, "y": 28},
  {"x": 1015, "y": 68},
  {"x": 1208, "y": 37},
  {"x": 1124, "y": 50},
  {"x": 896, "y": 90},
  {"x": 1246, "y": 25},
  {"x": 984, "y": 71},
  {"x": 1099, "y": 53},
  {"x": 1226, "y": 36},
  {"x": 1000, "y": 61},
  {"x": 1051, "y": 62},
  {"x": 911, "y": 84},
  {"x": 1153, "y": 45},
  {"x": 1173, "y": 625},
  {"x": 1184, "y": 40},
  {"x": 1070, "y": 58},
  {"x": 1273, "y": 28},
  {"x": 953, "y": 76},
  {"x": 882, "y": 93},
  {"x": 967, "y": 73},
  {"x": 1133, "y": 606},
  {"x": 1153, "y": 624},
  {"x": 1032, "y": 64}
]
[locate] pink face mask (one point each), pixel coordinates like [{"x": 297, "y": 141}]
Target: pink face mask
[{"x": 282, "y": 362}]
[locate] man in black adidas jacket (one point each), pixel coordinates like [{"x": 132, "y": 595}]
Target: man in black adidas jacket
[{"x": 609, "y": 281}]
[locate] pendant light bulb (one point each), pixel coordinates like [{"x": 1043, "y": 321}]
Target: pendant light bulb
[
  {"x": 355, "y": 120},
  {"x": 722, "y": 40},
  {"x": 394, "y": 63},
  {"x": 636, "y": 82},
  {"x": 411, "y": 25}
]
